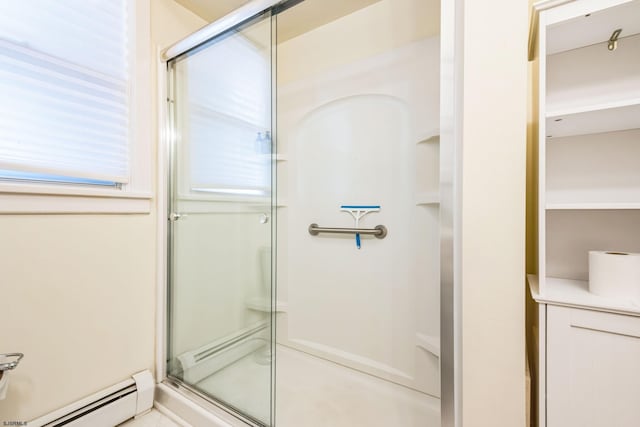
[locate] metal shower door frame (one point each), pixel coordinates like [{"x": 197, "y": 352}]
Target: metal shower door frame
[{"x": 451, "y": 65}]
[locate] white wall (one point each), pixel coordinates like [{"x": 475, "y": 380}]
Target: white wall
[
  {"x": 77, "y": 301},
  {"x": 171, "y": 22},
  {"x": 493, "y": 212},
  {"x": 371, "y": 31},
  {"x": 78, "y": 290}
]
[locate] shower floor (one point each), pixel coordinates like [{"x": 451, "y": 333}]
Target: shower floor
[{"x": 313, "y": 392}]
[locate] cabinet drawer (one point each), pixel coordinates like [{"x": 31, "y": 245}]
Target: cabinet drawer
[
  {"x": 593, "y": 368},
  {"x": 598, "y": 321}
]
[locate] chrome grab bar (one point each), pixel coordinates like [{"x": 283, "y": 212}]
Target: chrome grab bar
[
  {"x": 380, "y": 231},
  {"x": 7, "y": 366}
]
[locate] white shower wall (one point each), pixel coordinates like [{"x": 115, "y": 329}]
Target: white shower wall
[{"x": 356, "y": 135}]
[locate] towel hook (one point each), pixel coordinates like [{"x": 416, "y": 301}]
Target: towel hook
[{"x": 613, "y": 40}]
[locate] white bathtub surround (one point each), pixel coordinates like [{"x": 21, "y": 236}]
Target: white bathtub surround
[{"x": 351, "y": 140}]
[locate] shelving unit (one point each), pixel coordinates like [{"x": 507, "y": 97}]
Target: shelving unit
[
  {"x": 607, "y": 198},
  {"x": 427, "y": 155},
  {"x": 595, "y": 171},
  {"x": 427, "y": 202},
  {"x": 589, "y": 121},
  {"x": 588, "y": 199},
  {"x": 590, "y": 206},
  {"x": 575, "y": 293},
  {"x": 580, "y": 80},
  {"x": 575, "y": 33}
]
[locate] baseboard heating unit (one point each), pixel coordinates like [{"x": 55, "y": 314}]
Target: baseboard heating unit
[
  {"x": 194, "y": 366},
  {"x": 107, "y": 408}
]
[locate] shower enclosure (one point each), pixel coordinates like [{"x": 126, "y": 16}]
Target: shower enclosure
[{"x": 303, "y": 249}]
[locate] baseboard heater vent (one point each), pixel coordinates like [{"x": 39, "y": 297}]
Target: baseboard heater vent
[
  {"x": 106, "y": 408},
  {"x": 194, "y": 366}
]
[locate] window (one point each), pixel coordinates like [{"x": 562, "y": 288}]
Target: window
[
  {"x": 70, "y": 98},
  {"x": 226, "y": 115}
]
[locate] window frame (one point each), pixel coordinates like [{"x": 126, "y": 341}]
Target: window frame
[{"x": 136, "y": 195}]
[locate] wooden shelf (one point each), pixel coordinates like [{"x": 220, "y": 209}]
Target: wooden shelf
[
  {"x": 592, "y": 119},
  {"x": 428, "y": 198},
  {"x": 575, "y": 293}
]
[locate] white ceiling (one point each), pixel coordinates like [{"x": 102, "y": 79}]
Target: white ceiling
[
  {"x": 302, "y": 18},
  {"x": 312, "y": 14},
  {"x": 210, "y": 10}
]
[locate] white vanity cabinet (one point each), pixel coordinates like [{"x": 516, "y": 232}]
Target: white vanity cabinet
[
  {"x": 593, "y": 368},
  {"x": 588, "y": 357},
  {"x": 588, "y": 169}
]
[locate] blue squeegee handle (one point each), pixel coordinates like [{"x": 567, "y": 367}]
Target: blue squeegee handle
[{"x": 358, "y": 215}]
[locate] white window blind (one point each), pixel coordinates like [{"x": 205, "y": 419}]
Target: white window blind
[
  {"x": 229, "y": 114},
  {"x": 64, "y": 81}
]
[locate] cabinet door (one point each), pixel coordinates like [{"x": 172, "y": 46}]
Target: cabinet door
[{"x": 593, "y": 369}]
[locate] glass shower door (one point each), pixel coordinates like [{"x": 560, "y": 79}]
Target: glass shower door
[{"x": 220, "y": 220}]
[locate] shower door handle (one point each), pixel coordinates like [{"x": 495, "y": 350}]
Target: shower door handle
[{"x": 174, "y": 216}]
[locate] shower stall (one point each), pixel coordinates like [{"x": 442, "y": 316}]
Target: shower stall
[{"x": 304, "y": 219}]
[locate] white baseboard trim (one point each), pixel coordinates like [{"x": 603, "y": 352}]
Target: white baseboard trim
[{"x": 106, "y": 408}]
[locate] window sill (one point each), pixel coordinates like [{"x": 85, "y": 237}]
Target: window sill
[{"x": 22, "y": 198}]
